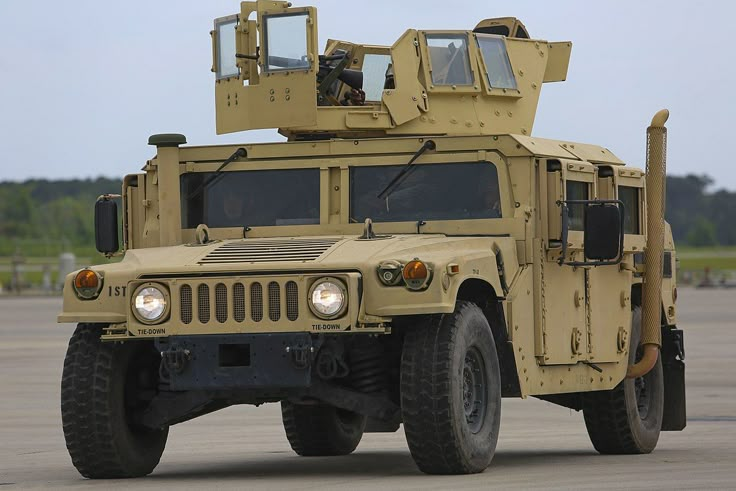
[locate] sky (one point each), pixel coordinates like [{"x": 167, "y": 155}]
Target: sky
[{"x": 83, "y": 83}]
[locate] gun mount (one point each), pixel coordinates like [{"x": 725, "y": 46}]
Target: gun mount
[{"x": 269, "y": 74}]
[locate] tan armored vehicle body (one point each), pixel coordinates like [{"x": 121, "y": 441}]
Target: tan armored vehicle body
[{"x": 410, "y": 255}]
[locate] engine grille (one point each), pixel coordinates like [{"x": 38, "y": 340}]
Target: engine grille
[
  {"x": 238, "y": 302},
  {"x": 269, "y": 250}
]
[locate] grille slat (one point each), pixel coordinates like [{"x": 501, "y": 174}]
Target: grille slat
[
  {"x": 221, "y": 303},
  {"x": 203, "y": 302},
  {"x": 256, "y": 302},
  {"x": 258, "y": 250},
  {"x": 274, "y": 301},
  {"x": 292, "y": 301},
  {"x": 185, "y": 301},
  {"x": 239, "y": 302}
]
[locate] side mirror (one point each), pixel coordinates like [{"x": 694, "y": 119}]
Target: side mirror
[
  {"x": 106, "y": 225},
  {"x": 603, "y": 242},
  {"x": 603, "y": 232}
]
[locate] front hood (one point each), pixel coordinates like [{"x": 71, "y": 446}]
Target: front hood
[
  {"x": 302, "y": 257},
  {"x": 301, "y": 253}
]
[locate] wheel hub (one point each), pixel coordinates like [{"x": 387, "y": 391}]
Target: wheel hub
[{"x": 475, "y": 390}]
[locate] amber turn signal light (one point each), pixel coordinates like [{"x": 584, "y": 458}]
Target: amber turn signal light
[
  {"x": 416, "y": 274},
  {"x": 87, "y": 284}
]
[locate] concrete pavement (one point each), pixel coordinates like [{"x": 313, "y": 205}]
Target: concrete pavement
[{"x": 541, "y": 446}]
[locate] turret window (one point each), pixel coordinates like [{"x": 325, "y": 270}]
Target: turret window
[
  {"x": 449, "y": 58},
  {"x": 498, "y": 67}
]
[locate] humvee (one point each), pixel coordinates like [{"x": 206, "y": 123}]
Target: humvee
[{"x": 410, "y": 256}]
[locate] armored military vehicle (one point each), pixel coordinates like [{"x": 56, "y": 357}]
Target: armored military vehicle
[{"x": 410, "y": 256}]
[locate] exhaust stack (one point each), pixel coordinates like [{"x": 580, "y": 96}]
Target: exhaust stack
[{"x": 651, "y": 335}]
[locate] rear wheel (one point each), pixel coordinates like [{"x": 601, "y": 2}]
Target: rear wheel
[
  {"x": 451, "y": 392},
  {"x": 104, "y": 386},
  {"x": 628, "y": 418},
  {"x": 321, "y": 430}
]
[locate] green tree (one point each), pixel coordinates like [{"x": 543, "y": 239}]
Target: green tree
[{"x": 702, "y": 233}]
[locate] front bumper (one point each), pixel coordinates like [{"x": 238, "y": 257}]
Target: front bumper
[{"x": 237, "y": 361}]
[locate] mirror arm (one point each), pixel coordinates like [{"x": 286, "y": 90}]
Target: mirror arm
[
  {"x": 108, "y": 197},
  {"x": 565, "y": 231},
  {"x": 622, "y": 214}
]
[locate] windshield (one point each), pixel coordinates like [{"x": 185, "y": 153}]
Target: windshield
[
  {"x": 251, "y": 198},
  {"x": 430, "y": 192}
]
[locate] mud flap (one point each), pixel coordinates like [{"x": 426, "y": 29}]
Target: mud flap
[{"x": 673, "y": 366}]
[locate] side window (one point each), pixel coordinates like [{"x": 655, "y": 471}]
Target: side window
[
  {"x": 499, "y": 72},
  {"x": 374, "y": 75},
  {"x": 449, "y": 59},
  {"x": 575, "y": 190},
  {"x": 629, "y": 196}
]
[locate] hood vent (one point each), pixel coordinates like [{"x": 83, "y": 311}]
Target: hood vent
[{"x": 269, "y": 250}]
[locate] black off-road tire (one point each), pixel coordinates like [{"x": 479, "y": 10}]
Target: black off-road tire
[
  {"x": 321, "y": 430},
  {"x": 451, "y": 392},
  {"x": 628, "y": 418},
  {"x": 99, "y": 383}
]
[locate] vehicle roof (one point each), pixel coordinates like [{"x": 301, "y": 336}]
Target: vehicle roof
[{"x": 509, "y": 145}]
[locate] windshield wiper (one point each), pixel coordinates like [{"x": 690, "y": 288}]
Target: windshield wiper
[
  {"x": 406, "y": 170},
  {"x": 239, "y": 153}
]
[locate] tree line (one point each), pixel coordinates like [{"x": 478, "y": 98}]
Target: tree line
[
  {"x": 44, "y": 217},
  {"x": 41, "y": 217}
]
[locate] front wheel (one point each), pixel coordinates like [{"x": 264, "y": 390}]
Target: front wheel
[
  {"x": 321, "y": 430},
  {"x": 451, "y": 392},
  {"x": 628, "y": 418},
  {"x": 103, "y": 387}
]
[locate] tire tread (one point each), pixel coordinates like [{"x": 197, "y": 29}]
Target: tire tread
[
  {"x": 425, "y": 386},
  {"x": 87, "y": 416}
]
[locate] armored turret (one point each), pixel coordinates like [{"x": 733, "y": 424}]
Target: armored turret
[{"x": 485, "y": 81}]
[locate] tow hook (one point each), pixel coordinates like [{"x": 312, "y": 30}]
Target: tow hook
[
  {"x": 301, "y": 356},
  {"x": 175, "y": 361}
]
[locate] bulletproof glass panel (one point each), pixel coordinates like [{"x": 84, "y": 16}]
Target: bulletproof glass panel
[
  {"x": 450, "y": 61},
  {"x": 374, "y": 75},
  {"x": 493, "y": 49},
  {"x": 430, "y": 192},
  {"x": 257, "y": 198},
  {"x": 576, "y": 191},
  {"x": 630, "y": 198},
  {"x": 286, "y": 42},
  {"x": 225, "y": 42}
]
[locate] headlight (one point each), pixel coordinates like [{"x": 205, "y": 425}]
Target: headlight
[
  {"x": 87, "y": 284},
  {"x": 150, "y": 303},
  {"x": 328, "y": 298}
]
